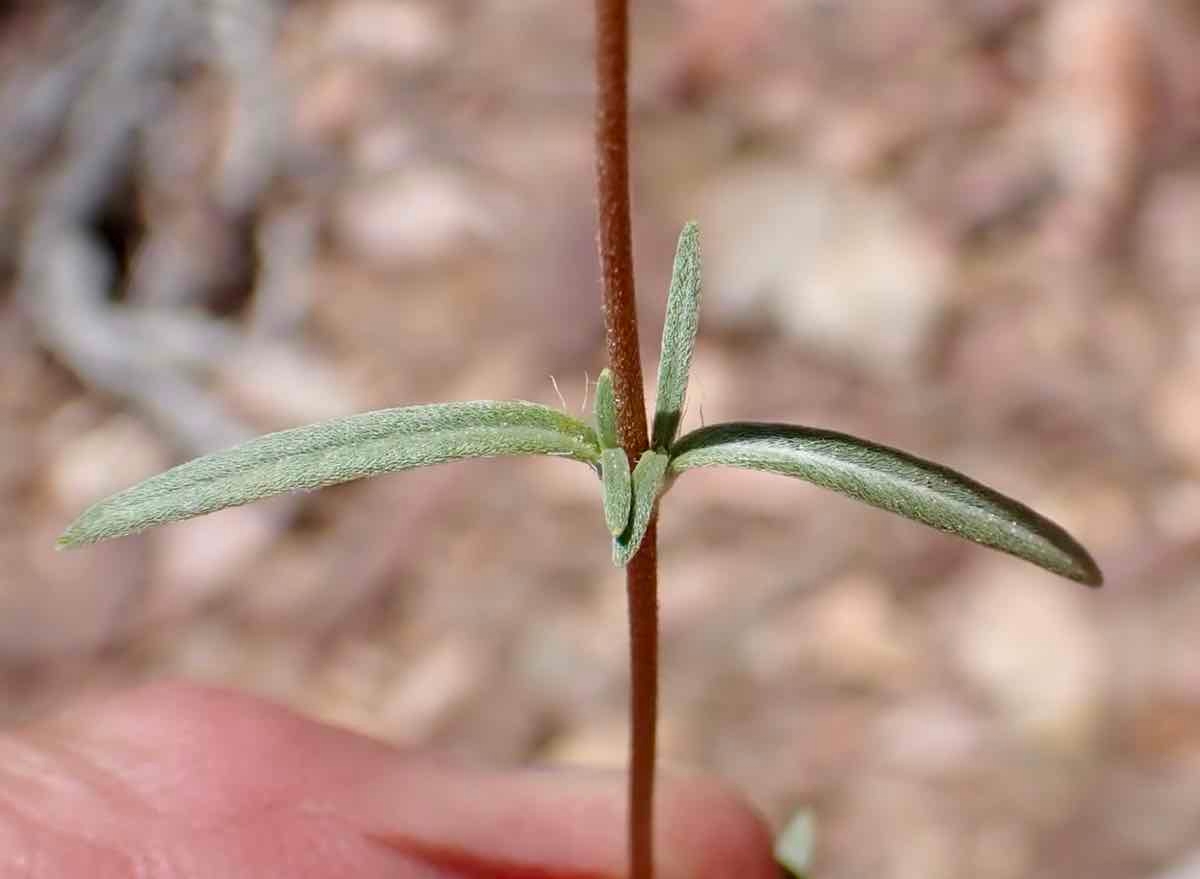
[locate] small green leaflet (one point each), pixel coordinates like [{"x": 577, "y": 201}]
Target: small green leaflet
[
  {"x": 606, "y": 410},
  {"x": 649, "y": 479},
  {"x": 618, "y": 494},
  {"x": 891, "y": 480},
  {"x": 679, "y": 339},
  {"x": 614, "y": 463},
  {"x": 336, "y": 451}
]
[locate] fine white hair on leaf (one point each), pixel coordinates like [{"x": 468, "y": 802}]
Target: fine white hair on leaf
[
  {"x": 558, "y": 393},
  {"x": 334, "y": 451}
]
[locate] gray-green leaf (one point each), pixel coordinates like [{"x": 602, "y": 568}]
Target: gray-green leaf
[
  {"x": 679, "y": 338},
  {"x": 606, "y": 411},
  {"x": 336, "y": 451},
  {"x": 649, "y": 479},
  {"x": 894, "y": 481},
  {"x": 618, "y": 495}
]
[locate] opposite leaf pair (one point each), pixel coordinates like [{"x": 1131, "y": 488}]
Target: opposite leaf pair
[
  {"x": 878, "y": 475},
  {"x": 649, "y": 477},
  {"x": 398, "y": 439}
]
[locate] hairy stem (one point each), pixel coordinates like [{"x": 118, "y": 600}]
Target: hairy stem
[
  {"x": 615, "y": 240},
  {"x": 615, "y": 244},
  {"x": 641, "y": 584}
]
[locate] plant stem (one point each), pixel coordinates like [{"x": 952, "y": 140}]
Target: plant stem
[
  {"x": 615, "y": 240},
  {"x": 641, "y": 585},
  {"x": 615, "y": 243}
]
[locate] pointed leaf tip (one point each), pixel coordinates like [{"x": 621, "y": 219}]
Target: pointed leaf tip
[
  {"x": 891, "y": 480},
  {"x": 679, "y": 338}
]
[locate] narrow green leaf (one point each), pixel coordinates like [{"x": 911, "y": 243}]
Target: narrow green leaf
[
  {"x": 618, "y": 494},
  {"x": 606, "y": 411},
  {"x": 336, "y": 451},
  {"x": 649, "y": 479},
  {"x": 679, "y": 338},
  {"x": 894, "y": 481}
]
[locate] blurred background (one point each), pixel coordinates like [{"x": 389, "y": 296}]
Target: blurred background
[{"x": 967, "y": 228}]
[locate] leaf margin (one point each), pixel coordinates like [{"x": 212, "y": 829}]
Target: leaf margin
[
  {"x": 445, "y": 432},
  {"x": 999, "y": 521}
]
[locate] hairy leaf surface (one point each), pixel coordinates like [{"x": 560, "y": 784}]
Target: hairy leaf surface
[
  {"x": 336, "y": 451},
  {"x": 649, "y": 479},
  {"x": 679, "y": 338},
  {"x": 894, "y": 481},
  {"x": 618, "y": 493},
  {"x": 606, "y": 411}
]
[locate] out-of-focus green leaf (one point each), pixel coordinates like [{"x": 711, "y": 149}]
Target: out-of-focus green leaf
[
  {"x": 336, "y": 451},
  {"x": 894, "y": 481},
  {"x": 795, "y": 846}
]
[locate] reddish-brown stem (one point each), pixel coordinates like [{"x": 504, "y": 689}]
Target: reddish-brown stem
[
  {"x": 614, "y": 239},
  {"x": 615, "y": 243},
  {"x": 641, "y": 585}
]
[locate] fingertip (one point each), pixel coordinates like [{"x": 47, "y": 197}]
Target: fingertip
[
  {"x": 188, "y": 747},
  {"x": 709, "y": 829},
  {"x": 176, "y": 715},
  {"x": 192, "y": 749},
  {"x": 181, "y": 713},
  {"x": 564, "y": 822}
]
